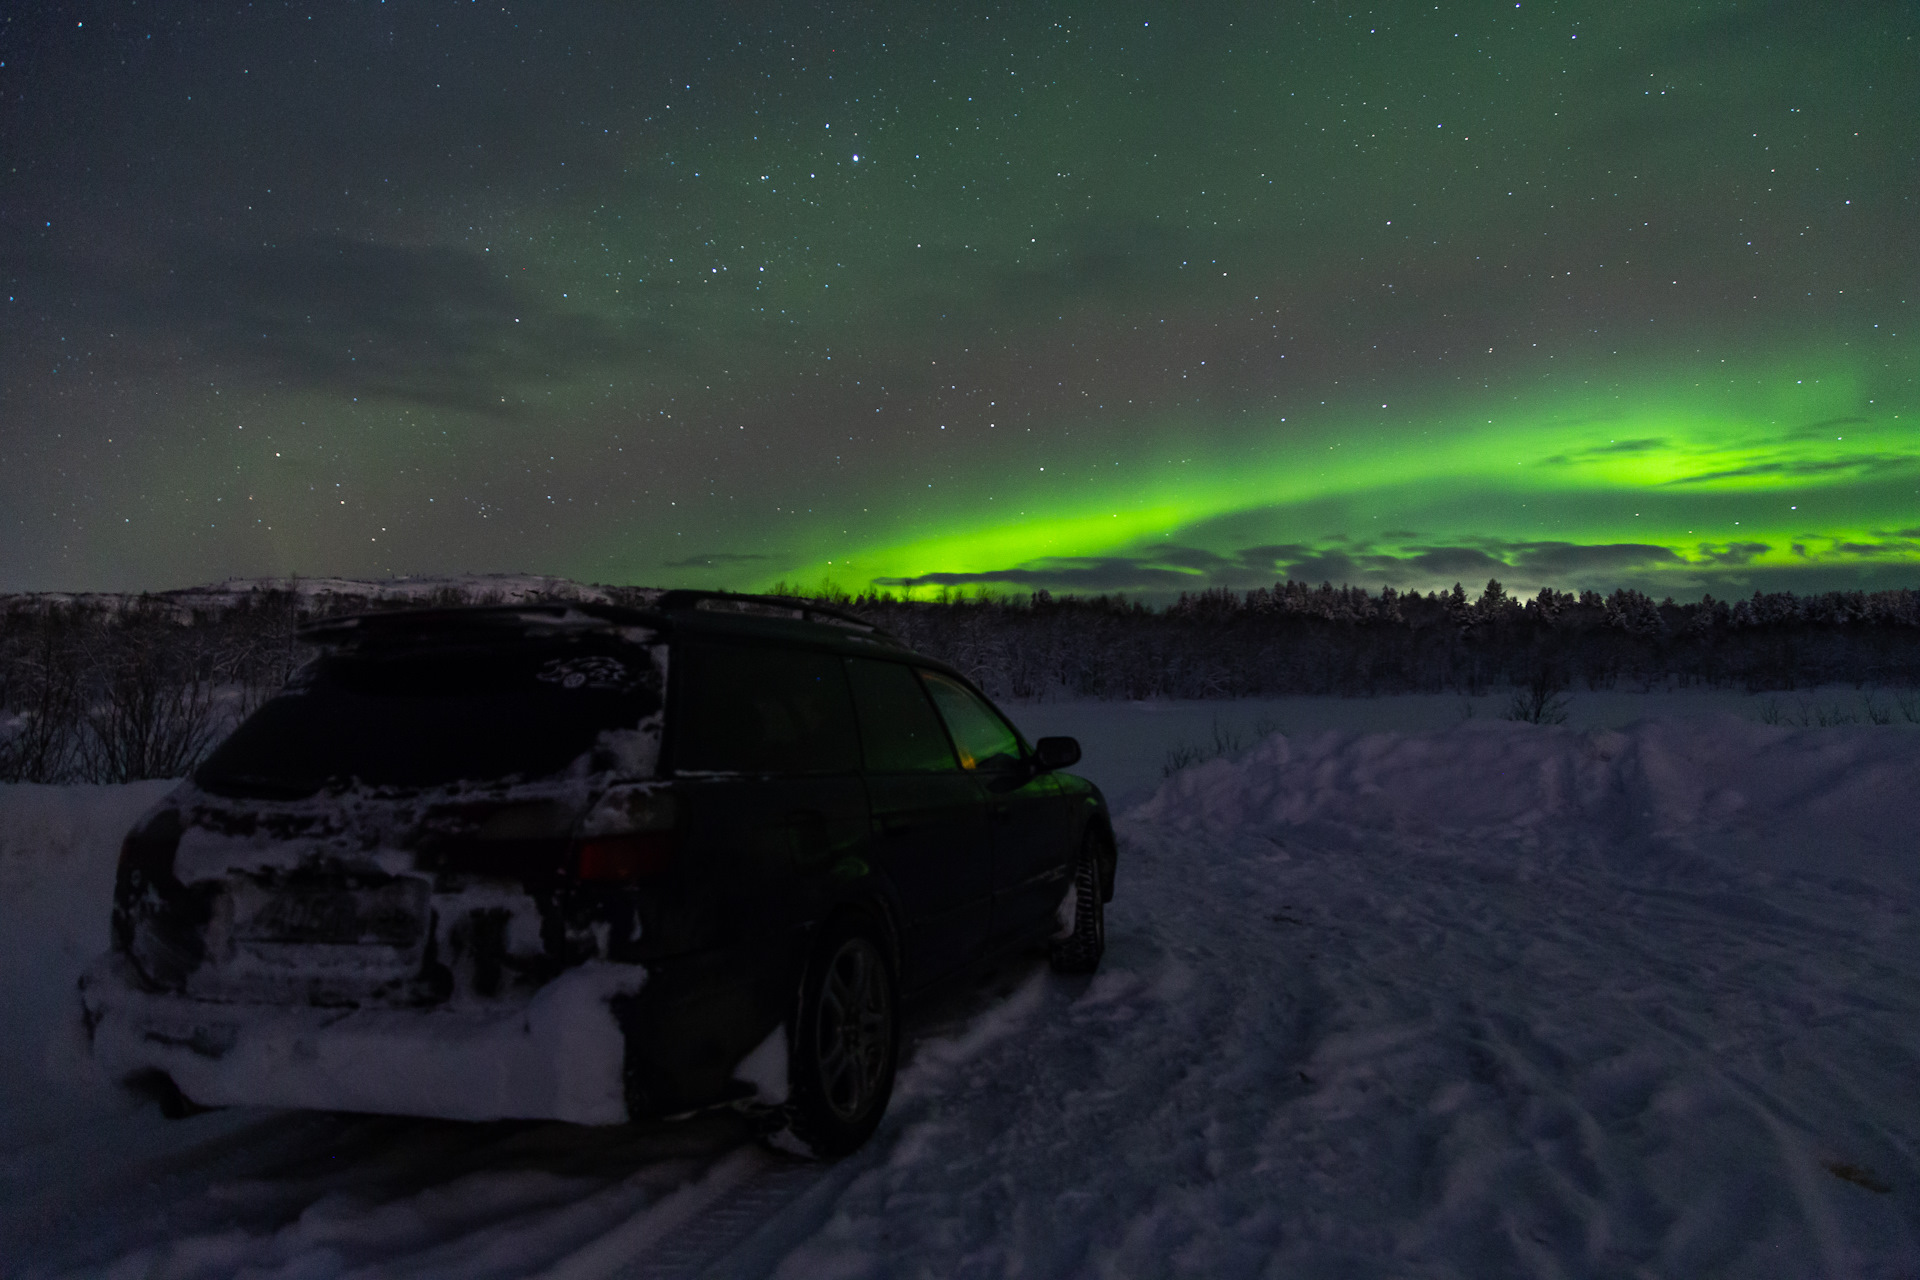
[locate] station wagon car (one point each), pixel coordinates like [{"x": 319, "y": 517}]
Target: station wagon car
[{"x": 592, "y": 864}]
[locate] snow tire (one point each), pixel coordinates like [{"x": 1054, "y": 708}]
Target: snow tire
[
  {"x": 847, "y": 1046},
  {"x": 1084, "y": 940}
]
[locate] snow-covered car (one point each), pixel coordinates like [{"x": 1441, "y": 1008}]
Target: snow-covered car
[{"x": 592, "y": 864}]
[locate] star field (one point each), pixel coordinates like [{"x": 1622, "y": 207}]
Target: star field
[{"x": 1139, "y": 297}]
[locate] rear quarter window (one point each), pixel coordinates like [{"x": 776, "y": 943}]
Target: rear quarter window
[
  {"x": 747, "y": 708},
  {"x": 899, "y": 729}
]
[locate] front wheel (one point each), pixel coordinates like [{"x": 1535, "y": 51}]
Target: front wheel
[
  {"x": 1082, "y": 939},
  {"x": 848, "y": 1043}
]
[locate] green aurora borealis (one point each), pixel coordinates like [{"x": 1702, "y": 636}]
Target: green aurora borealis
[
  {"x": 1135, "y": 299},
  {"x": 1664, "y": 483}
]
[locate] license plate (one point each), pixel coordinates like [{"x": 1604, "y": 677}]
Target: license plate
[{"x": 392, "y": 914}]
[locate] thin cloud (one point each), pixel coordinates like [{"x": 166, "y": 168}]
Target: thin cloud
[
  {"x": 1825, "y": 425},
  {"x": 716, "y": 558},
  {"x": 1447, "y": 561},
  {"x": 1645, "y": 444},
  {"x": 1899, "y": 549},
  {"x": 1737, "y": 553},
  {"x": 1335, "y": 566},
  {"x": 1867, "y": 462},
  {"x": 1088, "y": 573},
  {"x": 1574, "y": 557},
  {"x": 430, "y": 324},
  {"x": 1189, "y": 558}
]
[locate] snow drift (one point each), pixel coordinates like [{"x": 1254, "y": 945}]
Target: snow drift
[{"x": 1819, "y": 803}]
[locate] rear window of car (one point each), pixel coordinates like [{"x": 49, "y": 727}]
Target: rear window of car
[
  {"x": 442, "y": 714},
  {"x": 747, "y": 708}
]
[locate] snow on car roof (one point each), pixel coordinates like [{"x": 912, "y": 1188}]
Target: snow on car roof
[
  {"x": 524, "y": 620},
  {"x": 556, "y": 618}
]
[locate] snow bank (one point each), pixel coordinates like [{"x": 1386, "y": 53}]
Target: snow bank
[
  {"x": 58, "y": 848},
  {"x": 1129, "y": 745},
  {"x": 1815, "y": 801}
]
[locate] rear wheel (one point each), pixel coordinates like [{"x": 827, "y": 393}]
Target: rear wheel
[
  {"x": 847, "y": 1046},
  {"x": 1083, "y": 927}
]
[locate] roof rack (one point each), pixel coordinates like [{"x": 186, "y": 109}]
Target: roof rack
[
  {"x": 766, "y": 607},
  {"x": 346, "y": 628}
]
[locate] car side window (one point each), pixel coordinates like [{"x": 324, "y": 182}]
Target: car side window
[
  {"x": 750, "y": 708},
  {"x": 899, "y": 729},
  {"x": 984, "y": 740}
]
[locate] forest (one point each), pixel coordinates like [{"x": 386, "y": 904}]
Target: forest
[{"x": 110, "y": 688}]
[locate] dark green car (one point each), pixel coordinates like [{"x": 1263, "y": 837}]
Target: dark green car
[{"x": 591, "y": 863}]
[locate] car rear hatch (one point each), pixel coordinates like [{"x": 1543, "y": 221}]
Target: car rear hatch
[{"x": 401, "y": 827}]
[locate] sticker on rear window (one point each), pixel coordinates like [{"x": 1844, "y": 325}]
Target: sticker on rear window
[{"x": 587, "y": 673}]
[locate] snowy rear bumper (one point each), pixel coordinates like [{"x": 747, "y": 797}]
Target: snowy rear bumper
[{"x": 560, "y": 1056}]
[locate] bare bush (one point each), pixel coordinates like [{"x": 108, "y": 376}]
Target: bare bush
[
  {"x": 153, "y": 715},
  {"x": 258, "y": 648},
  {"x": 1542, "y": 699},
  {"x": 41, "y": 687}
]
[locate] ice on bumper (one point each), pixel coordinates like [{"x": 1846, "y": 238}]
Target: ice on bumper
[{"x": 559, "y": 1056}]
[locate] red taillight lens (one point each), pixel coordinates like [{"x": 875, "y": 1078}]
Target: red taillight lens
[
  {"x": 641, "y": 855},
  {"x": 633, "y": 833}
]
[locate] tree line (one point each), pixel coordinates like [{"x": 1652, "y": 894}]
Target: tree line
[
  {"x": 117, "y": 688},
  {"x": 1294, "y": 638}
]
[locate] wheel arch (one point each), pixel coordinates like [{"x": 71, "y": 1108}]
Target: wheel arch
[{"x": 873, "y": 914}]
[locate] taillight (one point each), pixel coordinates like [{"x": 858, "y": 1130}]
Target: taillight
[
  {"x": 644, "y": 855},
  {"x": 632, "y": 834}
]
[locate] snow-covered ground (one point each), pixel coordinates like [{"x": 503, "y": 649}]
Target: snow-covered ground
[{"x": 1399, "y": 992}]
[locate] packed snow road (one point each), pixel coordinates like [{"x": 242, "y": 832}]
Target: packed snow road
[{"x": 1498, "y": 1000}]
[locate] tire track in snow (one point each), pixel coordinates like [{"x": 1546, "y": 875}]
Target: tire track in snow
[
  {"x": 663, "y": 1234},
  {"x": 752, "y": 1228},
  {"x": 330, "y": 1195}
]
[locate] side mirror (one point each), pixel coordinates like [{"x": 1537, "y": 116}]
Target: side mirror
[{"x": 1057, "y": 753}]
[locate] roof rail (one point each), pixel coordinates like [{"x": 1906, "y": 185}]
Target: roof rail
[
  {"x": 345, "y": 628},
  {"x": 765, "y": 606}
]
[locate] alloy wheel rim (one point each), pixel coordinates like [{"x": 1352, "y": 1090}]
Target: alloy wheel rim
[{"x": 853, "y": 1032}]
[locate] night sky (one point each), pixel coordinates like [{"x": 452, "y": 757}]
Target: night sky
[{"x": 1133, "y": 297}]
